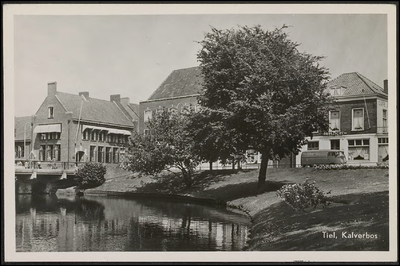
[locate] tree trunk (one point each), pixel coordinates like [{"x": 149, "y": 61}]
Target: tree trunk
[
  {"x": 262, "y": 174},
  {"x": 211, "y": 165},
  {"x": 233, "y": 163}
]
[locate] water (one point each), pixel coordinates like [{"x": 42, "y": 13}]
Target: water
[{"x": 49, "y": 223}]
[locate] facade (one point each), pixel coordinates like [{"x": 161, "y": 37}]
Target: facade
[
  {"x": 357, "y": 120},
  {"x": 22, "y": 134},
  {"x": 76, "y": 128},
  {"x": 178, "y": 91}
]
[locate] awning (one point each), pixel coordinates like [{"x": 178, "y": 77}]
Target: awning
[
  {"x": 110, "y": 130},
  {"x": 47, "y": 128},
  {"x": 120, "y": 131},
  {"x": 94, "y": 127}
]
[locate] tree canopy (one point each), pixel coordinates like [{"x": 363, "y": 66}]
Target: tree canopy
[
  {"x": 165, "y": 145},
  {"x": 267, "y": 94}
]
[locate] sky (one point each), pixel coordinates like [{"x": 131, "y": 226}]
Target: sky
[{"x": 132, "y": 55}]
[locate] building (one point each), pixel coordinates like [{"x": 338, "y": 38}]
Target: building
[
  {"x": 76, "y": 128},
  {"x": 22, "y": 135},
  {"x": 178, "y": 91},
  {"x": 358, "y": 121}
]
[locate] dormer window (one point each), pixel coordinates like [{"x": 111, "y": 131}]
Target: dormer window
[
  {"x": 50, "y": 112},
  {"x": 337, "y": 91}
]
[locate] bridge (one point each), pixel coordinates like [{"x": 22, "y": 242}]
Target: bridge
[{"x": 34, "y": 177}]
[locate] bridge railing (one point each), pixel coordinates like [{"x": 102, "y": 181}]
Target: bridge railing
[{"x": 30, "y": 164}]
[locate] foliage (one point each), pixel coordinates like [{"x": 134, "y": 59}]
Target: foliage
[
  {"x": 303, "y": 197},
  {"x": 90, "y": 175},
  {"x": 268, "y": 95},
  {"x": 166, "y": 145},
  {"x": 383, "y": 165},
  {"x": 212, "y": 142}
]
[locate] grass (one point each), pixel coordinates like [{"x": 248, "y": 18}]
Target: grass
[{"x": 359, "y": 204}]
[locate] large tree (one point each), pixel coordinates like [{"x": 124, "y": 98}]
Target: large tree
[
  {"x": 264, "y": 90},
  {"x": 166, "y": 145}
]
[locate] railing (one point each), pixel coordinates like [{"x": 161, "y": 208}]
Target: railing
[
  {"x": 382, "y": 130},
  {"x": 29, "y": 164}
]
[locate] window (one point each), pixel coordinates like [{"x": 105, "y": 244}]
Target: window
[
  {"x": 49, "y": 153},
  {"x": 101, "y": 155},
  {"x": 383, "y": 154},
  {"x": 41, "y": 152},
  {"x": 57, "y": 152},
  {"x": 93, "y": 153},
  {"x": 335, "y": 144},
  {"x": 334, "y": 121},
  {"x": 358, "y": 119},
  {"x": 116, "y": 155},
  {"x": 384, "y": 124},
  {"x": 51, "y": 112},
  {"x": 108, "y": 154},
  {"x": 86, "y": 134},
  {"x": 43, "y": 136},
  {"x": 147, "y": 115},
  {"x": 313, "y": 145},
  {"x": 358, "y": 149}
]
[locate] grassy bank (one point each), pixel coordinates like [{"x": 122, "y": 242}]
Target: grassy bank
[{"x": 359, "y": 204}]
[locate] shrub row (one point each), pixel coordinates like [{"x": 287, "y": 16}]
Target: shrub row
[{"x": 350, "y": 167}]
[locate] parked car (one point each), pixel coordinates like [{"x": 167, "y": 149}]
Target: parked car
[{"x": 317, "y": 157}]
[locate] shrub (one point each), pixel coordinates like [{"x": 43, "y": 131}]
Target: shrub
[
  {"x": 90, "y": 175},
  {"x": 303, "y": 197}
]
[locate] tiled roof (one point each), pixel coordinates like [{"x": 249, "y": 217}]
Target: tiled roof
[
  {"x": 94, "y": 109},
  {"x": 135, "y": 110},
  {"x": 355, "y": 84},
  {"x": 181, "y": 82},
  {"x": 22, "y": 124}
]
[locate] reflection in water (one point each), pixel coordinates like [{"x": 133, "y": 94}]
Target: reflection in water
[{"x": 50, "y": 223}]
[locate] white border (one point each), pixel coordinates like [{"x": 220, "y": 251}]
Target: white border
[{"x": 129, "y": 9}]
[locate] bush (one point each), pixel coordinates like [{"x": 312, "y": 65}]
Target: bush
[
  {"x": 90, "y": 175},
  {"x": 303, "y": 197}
]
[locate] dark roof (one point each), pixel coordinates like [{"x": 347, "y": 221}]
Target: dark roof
[
  {"x": 355, "y": 84},
  {"x": 181, "y": 82},
  {"x": 95, "y": 110},
  {"x": 22, "y": 124},
  {"x": 135, "y": 109}
]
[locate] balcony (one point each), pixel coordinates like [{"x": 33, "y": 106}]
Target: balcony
[{"x": 382, "y": 130}]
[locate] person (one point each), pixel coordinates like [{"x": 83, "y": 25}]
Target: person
[
  {"x": 26, "y": 165},
  {"x": 39, "y": 165}
]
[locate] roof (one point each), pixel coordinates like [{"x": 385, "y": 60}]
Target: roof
[
  {"x": 94, "y": 109},
  {"x": 356, "y": 84},
  {"x": 131, "y": 109},
  {"x": 181, "y": 82},
  {"x": 22, "y": 124}
]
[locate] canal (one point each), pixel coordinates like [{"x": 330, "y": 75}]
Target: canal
[{"x": 92, "y": 223}]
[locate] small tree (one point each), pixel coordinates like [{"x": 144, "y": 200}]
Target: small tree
[
  {"x": 268, "y": 95},
  {"x": 90, "y": 175},
  {"x": 165, "y": 145}
]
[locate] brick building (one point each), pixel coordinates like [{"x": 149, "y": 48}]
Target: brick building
[
  {"x": 77, "y": 128},
  {"x": 357, "y": 120},
  {"x": 22, "y": 135},
  {"x": 178, "y": 91}
]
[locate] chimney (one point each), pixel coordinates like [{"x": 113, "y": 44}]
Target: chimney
[
  {"x": 115, "y": 98},
  {"x": 85, "y": 94},
  {"x": 51, "y": 88},
  {"x": 385, "y": 86},
  {"x": 125, "y": 100}
]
